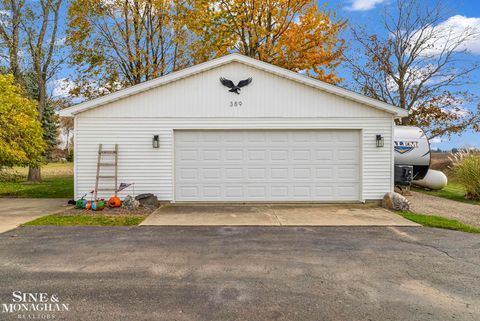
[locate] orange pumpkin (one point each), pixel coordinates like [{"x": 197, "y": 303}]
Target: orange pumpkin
[{"x": 114, "y": 202}]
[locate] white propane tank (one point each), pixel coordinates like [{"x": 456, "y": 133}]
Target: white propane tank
[
  {"x": 433, "y": 180},
  {"x": 412, "y": 148}
]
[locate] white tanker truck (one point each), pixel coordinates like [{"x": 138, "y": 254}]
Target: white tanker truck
[{"x": 412, "y": 159}]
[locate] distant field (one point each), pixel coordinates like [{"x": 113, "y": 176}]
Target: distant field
[
  {"x": 57, "y": 182},
  {"x": 441, "y": 161},
  {"x": 50, "y": 170}
]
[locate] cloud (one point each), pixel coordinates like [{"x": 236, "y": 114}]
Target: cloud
[
  {"x": 61, "y": 88},
  {"x": 363, "y": 5},
  {"x": 447, "y": 33},
  {"x": 435, "y": 140},
  {"x": 413, "y": 75},
  {"x": 60, "y": 41},
  {"x": 4, "y": 15},
  {"x": 457, "y": 25},
  {"x": 458, "y": 110}
]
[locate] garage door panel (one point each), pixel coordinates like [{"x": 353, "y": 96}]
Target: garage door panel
[
  {"x": 324, "y": 192},
  {"x": 256, "y": 192},
  {"x": 345, "y": 192},
  {"x": 234, "y": 173},
  {"x": 233, "y": 137},
  {"x": 301, "y": 155},
  {"x": 279, "y": 138},
  {"x": 256, "y": 137},
  {"x": 279, "y": 191},
  {"x": 212, "y": 173},
  {"x": 212, "y": 155},
  {"x": 351, "y": 172},
  {"x": 232, "y": 192},
  {"x": 257, "y": 173},
  {"x": 298, "y": 137},
  {"x": 345, "y": 136},
  {"x": 302, "y": 191},
  {"x": 322, "y": 136},
  {"x": 212, "y": 191},
  {"x": 256, "y": 155},
  {"x": 324, "y": 156},
  {"x": 188, "y": 154},
  {"x": 187, "y": 191},
  {"x": 279, "y": 155},
  {"x": 210, "y": 137},
  {"x": 188, "y": 174},
  {"x": 347, "y": 155},
  {"x": 324, "y": 173},
  {"x": 301, "y": 173},
  {"x": 263, "y": 165},
  {"x": 279, "y": 173},
  {"x": 234, "y": 155}
]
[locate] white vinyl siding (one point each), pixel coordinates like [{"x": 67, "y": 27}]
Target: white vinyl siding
[
  {"x": 152, "y": 169},
  {"x": 202, "y": 95}
]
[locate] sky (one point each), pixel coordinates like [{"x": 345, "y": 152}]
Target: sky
[
  {"x": 461, "y": 13},
  {"x": 367, "y": 12}
]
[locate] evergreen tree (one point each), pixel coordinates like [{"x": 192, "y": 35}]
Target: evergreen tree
[
  {"x": 50, "y": 121},
  {"x": 50, "y": 125}
]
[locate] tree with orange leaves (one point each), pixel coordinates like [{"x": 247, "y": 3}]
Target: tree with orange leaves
[
  {"x": 293, "y": 34},
  {"x": 120, "y": 43}
]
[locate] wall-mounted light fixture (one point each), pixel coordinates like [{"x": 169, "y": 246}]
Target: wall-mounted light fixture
[
  {"x": 380, "y": 142},
  {"x": 156, "y": 141}
]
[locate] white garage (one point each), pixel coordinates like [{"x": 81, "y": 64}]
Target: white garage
[{"x": 276, "y": 136}]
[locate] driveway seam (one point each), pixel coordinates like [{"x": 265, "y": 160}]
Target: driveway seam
[{"x": 275, "y": 214}]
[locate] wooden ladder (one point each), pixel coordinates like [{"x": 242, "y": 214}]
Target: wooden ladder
[{"x": 101, "y": 163}]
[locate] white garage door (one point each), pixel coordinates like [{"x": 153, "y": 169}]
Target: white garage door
[{"x": 267, "y": 165}]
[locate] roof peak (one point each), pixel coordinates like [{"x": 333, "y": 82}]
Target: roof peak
[{"x": 231, "y": 57}]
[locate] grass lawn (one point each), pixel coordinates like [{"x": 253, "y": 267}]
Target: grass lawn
[
  {"x": 440, "y": 222},
  {"x": 57, "y": 183},
  {"x": 90, "y": 220},
  {"x": 453, "y": 191}
]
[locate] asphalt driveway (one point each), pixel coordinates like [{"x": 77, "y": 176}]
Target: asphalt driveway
[{"x": 246, "y": 273}]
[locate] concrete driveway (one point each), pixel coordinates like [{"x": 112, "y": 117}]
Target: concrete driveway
[
  {"x": 275, "y": 215},
  {"x": 16, "y": 211},
  {"x": 246, "y": 273}
]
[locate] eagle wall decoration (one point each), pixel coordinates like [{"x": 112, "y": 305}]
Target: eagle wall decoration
[{"x": 235, "y": 89}]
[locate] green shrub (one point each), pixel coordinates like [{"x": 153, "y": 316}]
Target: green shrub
[
  {"x": 466, "y": 168},
  {"x": 70, "y": 155}
]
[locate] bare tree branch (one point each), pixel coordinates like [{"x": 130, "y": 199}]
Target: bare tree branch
[{"x": 417, "y": 66}]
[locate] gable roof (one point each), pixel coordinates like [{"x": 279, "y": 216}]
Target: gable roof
[{"x": 184, "y": 73}]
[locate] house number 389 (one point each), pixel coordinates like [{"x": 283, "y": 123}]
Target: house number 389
[{"x": 235, "y": 103}]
